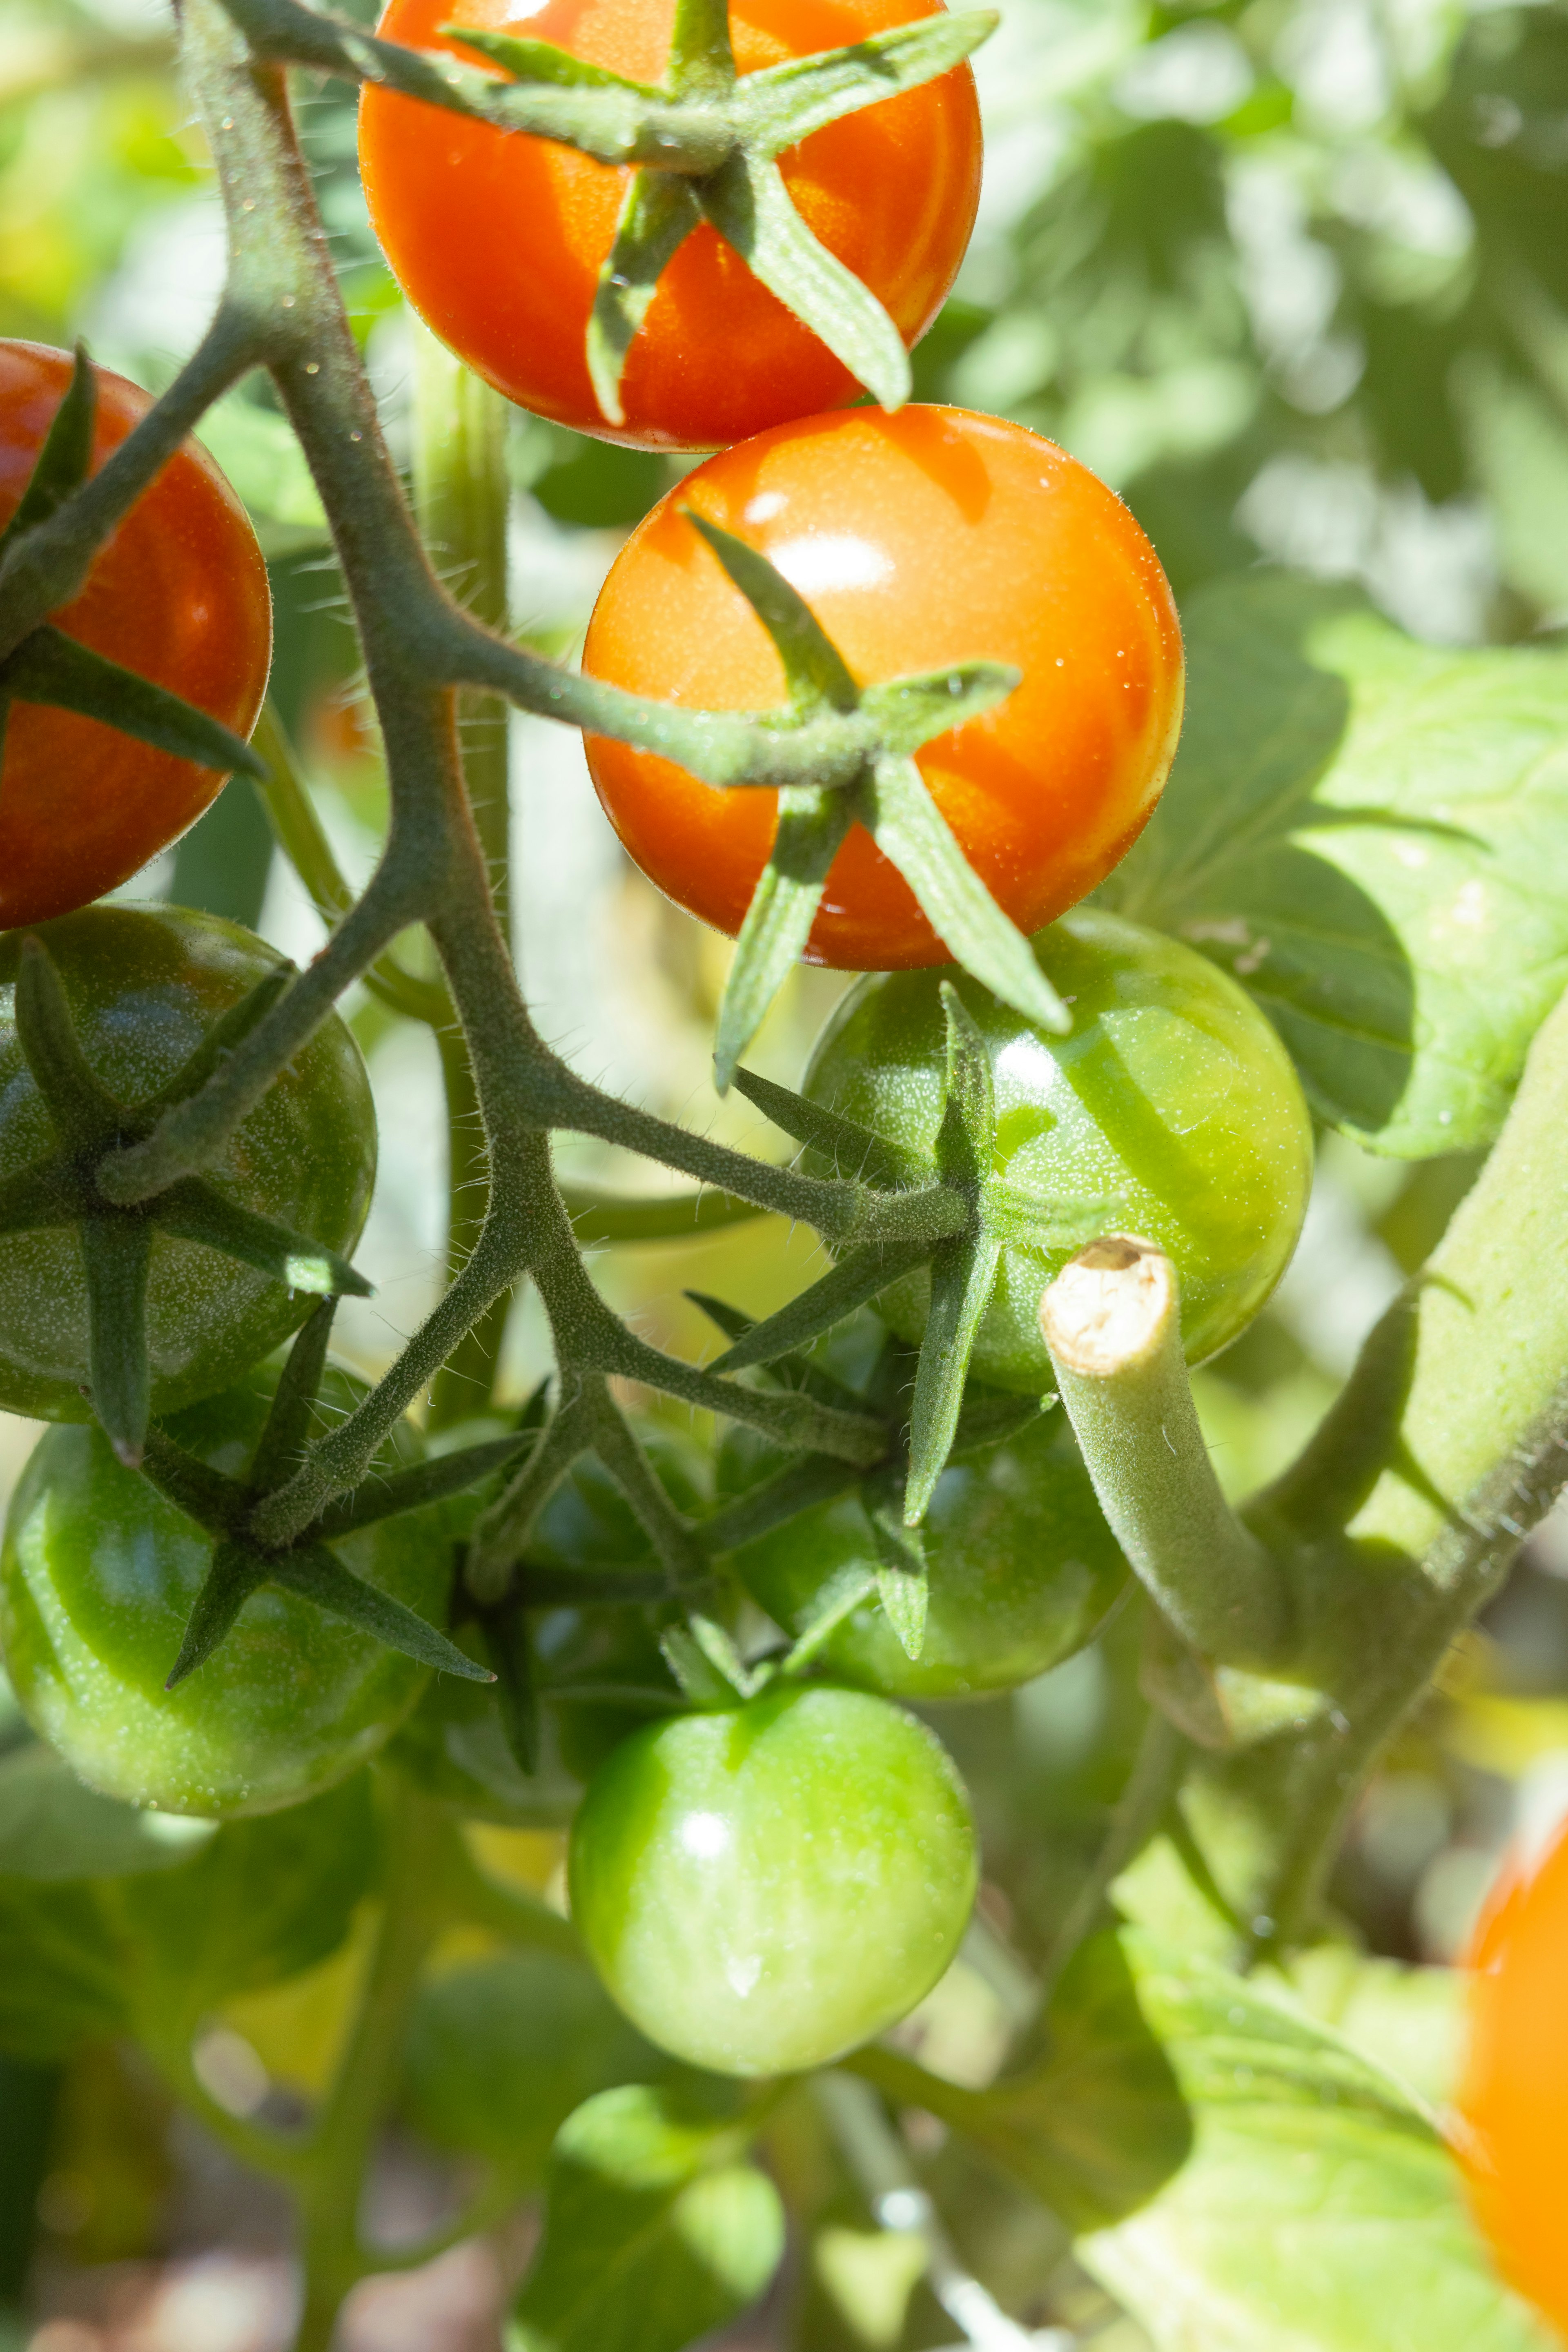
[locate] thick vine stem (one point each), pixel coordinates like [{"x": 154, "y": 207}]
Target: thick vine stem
[{"x": 1111, "y": 1322}]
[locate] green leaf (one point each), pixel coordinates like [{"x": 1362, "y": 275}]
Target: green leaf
[
  {"x": 1318, "y": 2210},
  {"x": 259, "y": 451},
  {"x": 785, "y": 103},
  {"x": 1362, "y": 830},
  {"x": 962, "y": 1274},
  {"x": 911, "y": 829},
  {"x": 50, "y": 667},
  {"x": 749, "y": 204},
  {"x": 62, "y": 463},
  {"x": 814, "y": 667},
  {"x": 654, "y": 2232},
  {"x": 657, "y": 214},
  {"x": 320, "y": 1577},
  {"x": 196, "y": 1210},
  {"x": 853, "y": 1150},
  {"x": 61, "y": 1977},
  {"x": 908, "y": 711},
  {"x": 811, "y": 829},
  {"x": 52, "y": 1827}
]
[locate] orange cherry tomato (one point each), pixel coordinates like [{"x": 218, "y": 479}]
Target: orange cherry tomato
[
  {"x": 179, "y": 595},
  {"x": 918, "y": 540},
  {"x": 498, "y": 238},
  {"x": 1515, "y": 2096}
]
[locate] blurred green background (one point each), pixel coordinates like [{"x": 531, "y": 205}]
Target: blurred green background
[{"x": 1293, "y": 276}]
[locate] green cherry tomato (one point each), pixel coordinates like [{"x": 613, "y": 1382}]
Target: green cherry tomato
[
  {"x": 1173, "y": 1097},
  {"x": 1023, "y": 1571},
  {"x": 144, "y": 985},
  {"x": 765, "y": 1887},
  {"x": 97, "y": 1575}
]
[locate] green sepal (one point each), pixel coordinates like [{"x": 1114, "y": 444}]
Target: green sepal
[
  {"x": 799, "y": 1487},
  {"x": 235, "y": 1574},
  {"x": 703, "y": 1684},
  {"x": 39, "y": 1196},
  {"x": 814, "y": 669},
  {"x": 747, "y": 202},
  {"x": 812, "y": 824},
  {"x": 281, "y": 1446},
  {"x": 701, "y": 63},
  {"x": 966, "y": 1140},
  {"x": 658, "y": 213},
  {"x": 911, "y": 829},
  {"x": 1012, "y": 1213},
  {"x": 987, "y": 1421},
  {"x": 505, "y": 1636},
  {"x": 115, "y": 1253},
  {"x": 220, "y": 1041},
  {"x": 963, "y": 1272},
  {"x": 784, "y": 104},
  {"x": 205, "y": 1495},
  {"x": 543, "y": 61},
  {"x": 910, "y": 711},
  {"x": 903, "y": 1579},
  {"x": 421, "y": 1484},
  {"x": 859, "y": 1151},
  {"x": 61, "y": 464},
  {"x": 48, "y": 666},
  {"x": 859, "y": 1274},
  {"x": 846, "y": 1596},
  {"x": 82, "y": 1111},
  {"x": 319, "y": 1576},
  {"x": 798, "y": 1372},
  {"x": 194, "y": 1210},
  {"x": 718, "y": 1647}
]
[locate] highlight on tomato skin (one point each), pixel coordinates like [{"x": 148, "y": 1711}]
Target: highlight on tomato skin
[
  {"x": 1515, "y": 2096},
  {"x": 931, "y": 536},
  {"x": 497, "y": 239},
  {"x": 179, "y": 595}
]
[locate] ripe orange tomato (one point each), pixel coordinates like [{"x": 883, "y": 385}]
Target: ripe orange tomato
[
  {"x": 1515, "y": 2096},
  {"x": 920, "y": 539},
  {"x": 498, "y": 238},
  {"x": 179, "y": 595}
]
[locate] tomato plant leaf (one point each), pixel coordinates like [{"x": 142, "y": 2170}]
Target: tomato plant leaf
[
  {"x": 962, "y": 1273},
  {"x": 1362, "y": 830},
  {"x": 50, "y": 667},
  {"x": 116, "y": 1252},
  {"x": 654, "y": 2232},
  {"x": 52, "y": 1827},
  {"x": 811, "y": 829},
  {"x": 196, "y": 1210},
  {"x": 747, "y": 202},
  {"x": 908, "y": 711},
  {"x": 909, "y": 828},
  {"x": 783, "y": 104},
  {"x": 63, "y": 460},
  {"x": 61, "y": 1977},
  {"x": 854, "y": 1150},
  {"x": 657, "y": 214}
]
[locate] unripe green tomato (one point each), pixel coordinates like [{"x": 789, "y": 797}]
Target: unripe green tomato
[
  {"x": 144, "y": 984},
  {"x": 765, "y": 1887},
  {"x": 97, "y": 1575},
  {"x": 1172, "y": 1093},
  {"x": 1021, "y": 1567}
]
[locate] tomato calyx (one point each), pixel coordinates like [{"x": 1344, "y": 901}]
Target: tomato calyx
[
  {"x": 48, "y": 666},
  {"x": 223, "y": 1507},
  {"x": 62, "y": 1189},
  {"x": 887, "y": 794},
  {"x": 702, "y": 147}
]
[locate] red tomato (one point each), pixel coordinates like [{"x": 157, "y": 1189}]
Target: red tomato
[
  {"x": 920, "y": 539},
  {"x": 178, "y": 594},
  {"x": 1515, "y": 2093},
  {"x": 498, "y": 239}
]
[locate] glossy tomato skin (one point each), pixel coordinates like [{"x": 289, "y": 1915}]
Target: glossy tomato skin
[
  {"x": 1514, "y": 2095},
  {"x": 144, "y": 984},
  {"x": 919, "y": 540},
  {"x": 1173, "y": 1095},
  {"x": 498, "y": 238},
  {"x": 1022, "y": 1570},
  {"x": 764, "y": 1889},
  {"x": 97, "y": 1575},
  {"x": 180, "y": 595}
]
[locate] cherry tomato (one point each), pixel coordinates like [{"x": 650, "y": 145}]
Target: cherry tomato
[
  {"x": 179, "y": 595},
  {"x": 98, "y": 1576},
  {"x": 1515, "y": 2096},
  {"x": 930, "y": 537},
  {"x": 498, "y": 239},
  {"x": 1022, "y": 1570},
  {"x": 1173, "y": 1096},
  {"x": 763, "y": 1888},
  {"x": 144, "y": 984}
]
